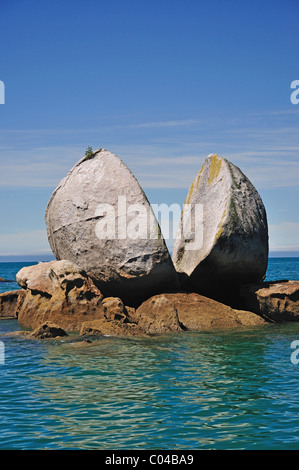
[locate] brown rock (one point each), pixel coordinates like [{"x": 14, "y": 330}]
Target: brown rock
[
  {"x": 158, "y": 315},
  {"x": 47, "y": 330},
  {"x": 195, "y": 312},
  {"x": 276, "y": 301},
  {"x": 116, "y": 320},
  {"x": 104, "y": 327},
  {"x": 10, "y": 302},
  {"x": 67, "y": 296},
  {"x": 114, "y": 309}
]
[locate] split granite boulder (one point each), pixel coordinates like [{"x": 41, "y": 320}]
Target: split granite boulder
[
  {"x": 222, "y": 239},
  {"x": 99, "y": 218}
]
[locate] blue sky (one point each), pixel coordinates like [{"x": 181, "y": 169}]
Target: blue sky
[{"x": 162, "y": 84}]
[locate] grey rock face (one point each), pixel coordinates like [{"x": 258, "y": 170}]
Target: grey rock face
[
  {"x": 226, "y": 243},
  {"x": 99, "y": 218}
]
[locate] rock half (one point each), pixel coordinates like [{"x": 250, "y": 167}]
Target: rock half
[
  {"x": 222, "y": 239},
  {"x": 100, "y": 218}
]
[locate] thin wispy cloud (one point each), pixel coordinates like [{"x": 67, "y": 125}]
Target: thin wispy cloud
[
  {"x": 160, "y": 153},
  {"x": 34, "y": 241}
]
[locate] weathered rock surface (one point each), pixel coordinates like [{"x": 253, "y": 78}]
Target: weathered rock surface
[
  {"x": 103, "y": 327},
  {"x": 276, "y": 301},
  {"x": 59, "y": 292},
  {"x": 228, "y": 245},
  {"x": 191, "y": 311},
  {"x": 46, "y": 331},
  {"x": 158, "y": 315},
  {"x": 99, "y": 218},
  {"x": 37, "y": 278},
  {"x": 117, "y": 320},
  {"x": 9, "y": 303},
  {"x": 62, "y": 294}
]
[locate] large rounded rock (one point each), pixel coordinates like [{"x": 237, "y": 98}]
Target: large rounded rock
[
  {"x": 222, "y": 239},
  {"x": 59, "y": 292},
  {"x": 100, "y": 218},
  {"x": 190, "y": 311}
]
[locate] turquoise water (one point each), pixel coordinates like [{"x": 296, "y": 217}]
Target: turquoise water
[{"x": 235, "y": 389}]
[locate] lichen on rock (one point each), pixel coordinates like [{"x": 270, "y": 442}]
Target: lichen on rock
[{"x": 234, "y": 248}]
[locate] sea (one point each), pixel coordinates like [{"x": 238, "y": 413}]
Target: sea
[{"x": 216, "y": 390}]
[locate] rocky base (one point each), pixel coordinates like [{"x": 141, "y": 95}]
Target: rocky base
[
  {"x": 58, "y": 297},
  {"x": 276, "y": 301}
]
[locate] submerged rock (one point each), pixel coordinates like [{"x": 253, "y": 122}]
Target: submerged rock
[
  {"x": 104, "y": 327},
  {"x": 99, "y": 218},
  {"x": 277, "y": 301},
  {"x": 46, "y": 331},
  {"x": 222, "y": 239}
]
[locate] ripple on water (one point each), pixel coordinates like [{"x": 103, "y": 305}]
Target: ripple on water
[{"x": 217, "y": 390}]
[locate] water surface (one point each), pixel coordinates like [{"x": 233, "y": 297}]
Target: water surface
[{"x": 229, "y": 389}]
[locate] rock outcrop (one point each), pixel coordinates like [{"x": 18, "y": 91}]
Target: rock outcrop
[
  {"x": 158, "y": 315},
  {"x": 99, "y": 218},
  {"x": 276, "y": 301},
  {"x": 10, "y": 302},
  {"x": 114, "y": 276},
  {"x": 38, "y": 277},
  {"x": 60, "y": 292},
  {"x": 116, "y": 320},
  {"x": 222, "y": 239},
  {"x": 104, "y": 327},
  {"x": 190, "y": 311},
  {"x": 47, "y": 330}
]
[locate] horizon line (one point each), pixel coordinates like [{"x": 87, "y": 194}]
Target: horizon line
[{"x": 42, "y": 257}]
